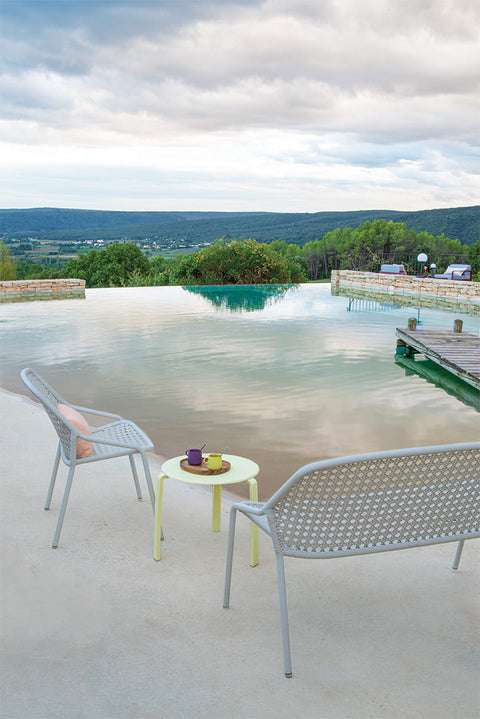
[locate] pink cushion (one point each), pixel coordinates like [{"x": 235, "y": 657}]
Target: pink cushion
[{"x": 84, "y": 448}]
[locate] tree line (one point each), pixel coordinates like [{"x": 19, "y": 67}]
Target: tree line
[
  {"x": 236, "y": 262},
  {"x": 373, "y": 243}
]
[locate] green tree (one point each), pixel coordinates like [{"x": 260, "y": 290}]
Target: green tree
[
  {"x": 474, "y": 260},
  {"x": 373, "y": 243},
  {"x": 159, "y": 273},
  {"x": 118, "y": 265},
  {"x": 7, "y": 265},
  {"x": 236, "y": 262},
  {"x": 313, "y": 257},
  {"x": 28, "y": 270}
]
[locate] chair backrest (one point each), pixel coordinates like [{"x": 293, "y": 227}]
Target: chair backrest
[
  {"x": 366, "y": 503},
  {"x": 49, "y": 398}
]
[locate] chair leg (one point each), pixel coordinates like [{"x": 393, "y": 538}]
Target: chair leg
[
  {"x": 458, "y": 554},
  {"x": 53, "y": 478},
  {"x": 149, "y": 480},
  {"x": 135, "y": 476},
  {"x": 66, "y": 494},
  {"x": 282, "y": 591},
  {"x": 228, "y": 564}
]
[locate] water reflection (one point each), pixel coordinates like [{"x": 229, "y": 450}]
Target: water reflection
[
  {"x": 295, "y": 380},
  {"x": 246, "y": 298},
  {"x": 15, "y": 297},
  {"x": 439, "y": 303},
  {"x": 357, "y": 304},
  {"x": 439, "y": 377}
]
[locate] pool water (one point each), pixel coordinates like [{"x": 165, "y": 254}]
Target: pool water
[{"x": 284, "y": 376}]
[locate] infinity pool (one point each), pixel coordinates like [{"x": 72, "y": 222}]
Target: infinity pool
[{"x": 284, "y": 376}]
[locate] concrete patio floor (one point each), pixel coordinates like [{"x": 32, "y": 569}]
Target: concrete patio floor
[{"x": 98, "y": 630}]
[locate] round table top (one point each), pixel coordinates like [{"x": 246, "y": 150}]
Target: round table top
[{"x": 241, "y": 469}]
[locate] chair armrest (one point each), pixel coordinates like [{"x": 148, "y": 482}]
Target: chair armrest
[
  {"x": 256, "y": 508},
  {"x": 96, "y": 412},
  {"x": 96, "y": 440}
]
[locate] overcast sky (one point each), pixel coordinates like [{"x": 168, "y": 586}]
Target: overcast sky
[{"x": 274, "y": 105}]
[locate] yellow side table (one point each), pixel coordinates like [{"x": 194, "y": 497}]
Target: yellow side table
[{"x": 241, "y": 470}]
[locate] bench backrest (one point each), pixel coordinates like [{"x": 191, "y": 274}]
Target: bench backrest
[{"x": 375, "y": 502}]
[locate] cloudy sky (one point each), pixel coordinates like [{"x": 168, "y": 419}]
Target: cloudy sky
[{"x": 275, "y": 105}]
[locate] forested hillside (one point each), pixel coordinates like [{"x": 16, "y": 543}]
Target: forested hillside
[
  {"x": 229, "y": 261},
  {"x": 52, "y": 221},
  {"x": 194, "y": 228}
]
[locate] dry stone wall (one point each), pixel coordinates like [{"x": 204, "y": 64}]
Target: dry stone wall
[
  {"x": 408, "y": 286},
  {"x": 11, "y": 289}
]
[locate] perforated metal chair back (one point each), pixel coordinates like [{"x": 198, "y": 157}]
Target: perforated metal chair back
[{"x": 50, "y": 399}]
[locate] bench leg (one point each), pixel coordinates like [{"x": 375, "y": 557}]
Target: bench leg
[
  {"x": 282, "y": 592},
  {"x": 456, "y": 561},
  {"x": 253, "y": 496},
  {"x": 228, "y": 564}
]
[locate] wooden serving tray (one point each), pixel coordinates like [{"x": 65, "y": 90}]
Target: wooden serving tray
[{"x": 202, "y": 468}]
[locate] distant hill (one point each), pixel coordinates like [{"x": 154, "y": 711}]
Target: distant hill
[{"x": 462, "y": 223}]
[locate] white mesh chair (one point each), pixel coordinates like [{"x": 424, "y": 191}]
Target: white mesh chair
[
  {"x": 117, "y": 439},
  {"x": 367, "y": 503}
]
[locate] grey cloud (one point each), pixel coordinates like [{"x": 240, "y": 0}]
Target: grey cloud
[
  {"x": 351, "y": 150},
  {"x": 344, "y": 45},
  {"x": 32, "y": 96},
  {"x": 59, "y": 53},
  {"x": 444, "y": 19},
  {"x": 64, "y": 36},
  {"x": 270, "y": 48}
]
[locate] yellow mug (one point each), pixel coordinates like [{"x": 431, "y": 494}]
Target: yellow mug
[{"x": 213, "y": 461}]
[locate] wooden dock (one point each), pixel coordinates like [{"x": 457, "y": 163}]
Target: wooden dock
[{"x": 457, "y": 352}]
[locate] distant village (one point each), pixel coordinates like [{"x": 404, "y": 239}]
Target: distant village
[{"x": 59, "y": 252}]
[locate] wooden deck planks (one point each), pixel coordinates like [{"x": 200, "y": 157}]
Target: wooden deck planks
[{"x": 458, "y": 352}]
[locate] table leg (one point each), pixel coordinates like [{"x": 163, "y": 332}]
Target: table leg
[
  {"x": 253, "y": 494},
  {"x": 157, "y": 527},
  {"x": 216, "y": 502}
]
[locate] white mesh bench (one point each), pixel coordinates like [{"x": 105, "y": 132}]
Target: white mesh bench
[{"x": 368, "y": 503}]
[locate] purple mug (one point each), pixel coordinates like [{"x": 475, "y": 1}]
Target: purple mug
[{"x": 194, "y": 456}]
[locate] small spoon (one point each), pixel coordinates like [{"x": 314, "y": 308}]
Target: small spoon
[
  {"x": 224, "y": 450},
  {"x": 203, "y": 446}
]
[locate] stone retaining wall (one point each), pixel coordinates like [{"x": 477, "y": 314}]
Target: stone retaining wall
[
  {"x": 12, "y": 289},
  {"x": 408, "y": 286}
]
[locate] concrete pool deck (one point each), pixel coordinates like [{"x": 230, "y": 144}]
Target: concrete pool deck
[{"x": 98, "y": 630}]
